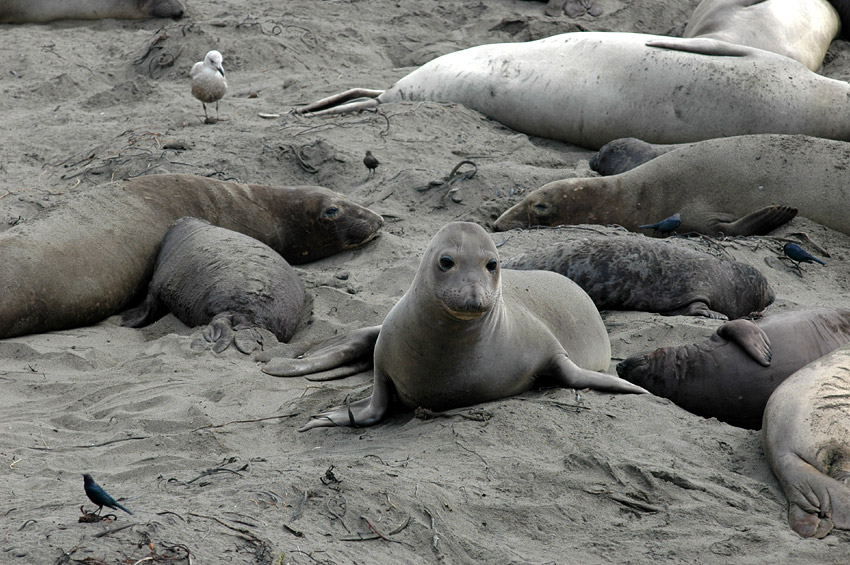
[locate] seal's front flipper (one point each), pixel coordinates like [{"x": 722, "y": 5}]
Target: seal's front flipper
[
  {"x": 569, "y": 375},
  {"x": 749, "y": 337},
  {"x": 703, "y": 46},
  {"x": 363, "y": 412},
  {"x": 760, "y": 222},
  {"x": 697, "y": 308},
  {"x": 145, "y": 314},
  {"x": 356, "y": 349}
]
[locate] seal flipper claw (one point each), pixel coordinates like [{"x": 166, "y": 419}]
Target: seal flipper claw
[
  {"x": 697, "y": 308},
  {"x": 749, "y": 337},
  {"x": 761, "y": 222}
]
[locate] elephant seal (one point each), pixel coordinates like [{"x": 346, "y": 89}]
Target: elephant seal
[
  {"x": 205, "y": 274},
  {"x": 40, "y": 11},
  {"x": 732, "y": 374},
  {"x": 798, "y": 29},
  {"x": 625, "y": 154},
  {"x": 90, "y": 256},
  {"x": 467, "y": 332},
  {"x": 806, "y": 439},
  {"x": 588, "y": 88},
  {"x": 639, "y": 273},
  {"x": 747, "y": 185}
]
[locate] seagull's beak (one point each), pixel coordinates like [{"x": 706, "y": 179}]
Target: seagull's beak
[{"x": 219, "y": 69}]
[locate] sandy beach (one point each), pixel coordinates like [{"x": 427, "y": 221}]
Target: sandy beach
[{"x": 204, "y": 447}]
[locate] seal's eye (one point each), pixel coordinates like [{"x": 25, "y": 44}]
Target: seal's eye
[
  {"x": 541, "y": 208},
  {"x": 446, "y": 262},
  {"x": 492, "y": 265},
  {"x": 331, "y": 212}
]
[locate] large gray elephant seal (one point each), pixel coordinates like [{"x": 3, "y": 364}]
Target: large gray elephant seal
[
  {"x": 205, "y": 274},
  {"x": 92, "y": 255},
  {"x": 467, "y": 332},
  {"x": 731, "y": 375},
  {"x": 806, "y": 437},
  {"x": 736, "y": 186},
  {"x": 589, "y": 88},
  {"x": 639, "y": 273},
  {"x": 799, "y": 29},
  {"x": 38, "y": 11}
]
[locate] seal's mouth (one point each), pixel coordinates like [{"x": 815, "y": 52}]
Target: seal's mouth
[{"x": 464, "y": 315}]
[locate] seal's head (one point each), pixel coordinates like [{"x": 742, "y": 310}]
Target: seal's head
[
  {"x": 326, "y": 223},
  {"x": 461, "y": 271},
  {"x": 568, "y": 201},
  {"x": 164, "y": 8}
]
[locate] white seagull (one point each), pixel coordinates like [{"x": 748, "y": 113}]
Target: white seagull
[{"x": 208, "y": 82}]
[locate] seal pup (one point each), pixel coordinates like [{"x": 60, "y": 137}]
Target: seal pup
[
  {"x": 806, "y": 440},
  {"x": 467, "y": 332},
  {"x": 731, "y": 375},
  {"x": 588, "y": 88},
  {"x": 40, "y": 11},
  {"x": 91, "y": 256},
  {"x": 208, "y": 82},
  {"x": 801, "y": 30},
  {"x": 746, "y": 185},
  {"x": 639, "y": 273},
  {"x": 207, "y": 275},
  {"x": 621, "y": 155}
]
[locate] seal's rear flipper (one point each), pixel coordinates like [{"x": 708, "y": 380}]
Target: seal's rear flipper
[
  {"x": 817, "y": 502},
  {"x": 356, "y": 349},
  {"x": 703, "y": 46},
  {"x": 343, "y": 102},
  {"x": 145, "y": 314},
  {"x": 760, "y": 222},
  {"x": 749, "y": 337}
]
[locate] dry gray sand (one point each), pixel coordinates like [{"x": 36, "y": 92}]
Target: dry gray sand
[{"x": 204, "y": 448}]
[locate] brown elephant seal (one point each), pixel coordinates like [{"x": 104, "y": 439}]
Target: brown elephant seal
[
  {"x": 92, "y": 255},
  {"x": 731, "y": 375},
  {"x": 806, "y": 438},
  {"x": 205, "y": 274},
  {"x": 638, "y": 273},
  {"x": 625, "y": 154},
  {"x": 588, "y": 88},
  {"x": 467, "y": 332},
  {"x": 747, "y": 185},
  {"x": 798, "y": 29},
  {"x": 39, "y": 11}
]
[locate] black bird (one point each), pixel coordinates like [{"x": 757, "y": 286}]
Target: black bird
[
  {"x": 99, "y": 496},
  {"x": 666, "y": 225},
  {"x": 800, "y": 255},
  {"x": 371, "y": 162}
]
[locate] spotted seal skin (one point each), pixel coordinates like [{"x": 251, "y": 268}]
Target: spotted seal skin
[
  {"x": 467, "y": 332},
  {"x": 39, "y": 11},
  {"x": 731, "y": 375},
  {"x": 746, "y": 185},
  {"x": 589, "y": 88},
  {"x": 806, "y": 440},
  {"x": 92, "y": 255},
  {"x": 205, "y": 274},
  {"x": 638, "y": 273}
]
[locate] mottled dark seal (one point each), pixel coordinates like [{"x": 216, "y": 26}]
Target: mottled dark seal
[
  {"x": 92, "y": 255},
  {"x": 38, "y": 11},
  {"x": 588, "y": 88},
  {"x": 625, "y": 154},
  {"x": 638, "y": 273},
  {"x": 467, "y": 332},
  {"x": 806, "y": 438},
  {"x": 746, "y": 185},
  {"x": 731, "y": 375},
  {"x": 205, "y": 274}
]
